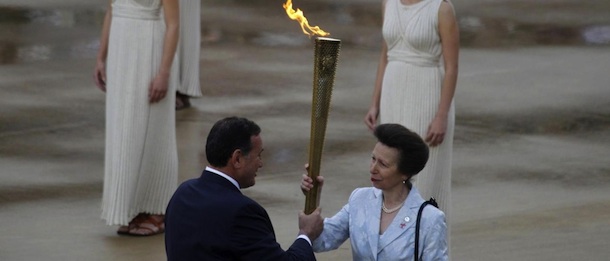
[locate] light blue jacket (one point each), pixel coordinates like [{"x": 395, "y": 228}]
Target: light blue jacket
[{"x": 359, "y": 220}]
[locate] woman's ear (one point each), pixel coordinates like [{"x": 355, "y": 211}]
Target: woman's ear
[{"x": 406, "y": 178}]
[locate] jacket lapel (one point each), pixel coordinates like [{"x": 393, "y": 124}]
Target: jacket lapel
[
  {"x": 404, "y": 220},
  {"x": 373, "y": 211}
]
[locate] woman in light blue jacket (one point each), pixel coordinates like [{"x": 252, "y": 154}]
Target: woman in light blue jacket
[{"x": 380, "y": 220}]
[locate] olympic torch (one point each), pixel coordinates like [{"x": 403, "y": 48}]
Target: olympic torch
[{"x": 326, "y": 53}]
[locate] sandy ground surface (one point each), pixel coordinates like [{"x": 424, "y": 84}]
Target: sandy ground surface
[{"x": 531, "y": 169}]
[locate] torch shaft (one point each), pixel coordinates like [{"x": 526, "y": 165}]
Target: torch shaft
[{"x": 325, "y": 63}]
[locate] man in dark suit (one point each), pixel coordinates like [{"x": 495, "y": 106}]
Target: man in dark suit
[{"x": 210, "y": 219}]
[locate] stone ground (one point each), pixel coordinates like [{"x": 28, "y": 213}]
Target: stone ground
[{"x": 531, "y": 170}]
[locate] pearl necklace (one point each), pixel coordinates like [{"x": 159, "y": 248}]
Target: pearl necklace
[{"x": 392, "y": 210}]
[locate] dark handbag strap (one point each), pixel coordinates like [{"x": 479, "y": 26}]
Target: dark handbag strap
[{"x": 432, "y": 202}]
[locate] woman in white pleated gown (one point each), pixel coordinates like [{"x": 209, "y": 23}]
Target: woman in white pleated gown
[
  {"x": 135, "y": 67},
  {"x": 189, "y": 49},
  {"x": 416, "y": 81}
]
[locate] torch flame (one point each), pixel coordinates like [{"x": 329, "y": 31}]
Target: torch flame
[{"x": 299, "y": 17}]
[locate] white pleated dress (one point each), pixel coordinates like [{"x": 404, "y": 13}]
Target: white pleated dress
[
  {"x": 141, "y": 162},
  {"x": 189, "y": 47},
  {"x": 411, "y": 88}
]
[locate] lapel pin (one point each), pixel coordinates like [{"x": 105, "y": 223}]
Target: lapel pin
[{"x": 407, "y": 219}]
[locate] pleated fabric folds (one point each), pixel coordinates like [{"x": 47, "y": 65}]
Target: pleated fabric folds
[
  {"x": 412, "y": 88},
  {"x": 141, "y": 161},
  {"x": 189, "y": 47}
]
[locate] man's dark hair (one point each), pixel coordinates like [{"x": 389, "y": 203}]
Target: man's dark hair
[
  {"x": 228, "y": 135},
  {"x": 412, "y": 149}
]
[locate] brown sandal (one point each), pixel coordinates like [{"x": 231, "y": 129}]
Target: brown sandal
[
  {"x": 182, "y": 101},
  {"x": 149, "y": 226},
  {"x": 124, "y": 230}
]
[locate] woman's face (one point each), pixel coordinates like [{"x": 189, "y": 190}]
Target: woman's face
[{"x": 384, "y": 168}]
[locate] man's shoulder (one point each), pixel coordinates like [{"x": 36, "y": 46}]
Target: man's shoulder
[
  {"x": 244, "y": 201},
  {"x": 190, "y": 181},
  {"x": 187, "y": 183}
]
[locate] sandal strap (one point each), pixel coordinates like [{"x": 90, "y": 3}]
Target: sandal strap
[{"x": 154, "y": 225}]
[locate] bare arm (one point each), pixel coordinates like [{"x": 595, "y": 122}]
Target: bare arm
[
  {"x": 159, "y": 86},
  {"x": 371, "y": 117},
  {"x": 450, "y": 43},
  {"x": 99, "y": 74}
]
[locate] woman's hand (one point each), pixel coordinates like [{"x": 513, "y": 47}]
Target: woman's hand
[
  {"x": 371, "y": 118},
  {"x": 158, "y": 88},
  {"x": 436, "y": 131},
  {"x": 99, "y": 75},
  {"x": 307, "y": 182}
]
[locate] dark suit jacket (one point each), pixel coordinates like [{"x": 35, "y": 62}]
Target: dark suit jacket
[{"x": 210, "y": 219}]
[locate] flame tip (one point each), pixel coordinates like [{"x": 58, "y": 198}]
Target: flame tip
[{"x": 300, "y": 17}]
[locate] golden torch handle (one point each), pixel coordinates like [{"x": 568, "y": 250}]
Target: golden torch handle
[{"x": 325, "y": 65}]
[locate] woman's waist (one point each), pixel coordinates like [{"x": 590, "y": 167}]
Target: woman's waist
[
  {"x": 136, "y": 12},
  {"x": 410, "y": 58}
]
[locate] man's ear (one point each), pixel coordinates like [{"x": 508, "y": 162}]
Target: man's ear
[{"x": 236, "y": 159}]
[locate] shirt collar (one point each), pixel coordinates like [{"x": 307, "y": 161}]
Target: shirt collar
[{"x": 219, "y": 173}]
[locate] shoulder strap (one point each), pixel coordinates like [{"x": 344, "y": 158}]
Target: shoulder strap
[{"x": 432, "y": 202}]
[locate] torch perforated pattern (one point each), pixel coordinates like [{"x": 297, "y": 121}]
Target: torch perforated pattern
[{"x": 325, "y": 64}]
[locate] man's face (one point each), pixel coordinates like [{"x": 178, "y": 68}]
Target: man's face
[{"x": 251, "y": 163}]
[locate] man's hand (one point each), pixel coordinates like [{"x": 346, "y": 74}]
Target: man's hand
[{"x": 311, "y": 225}]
